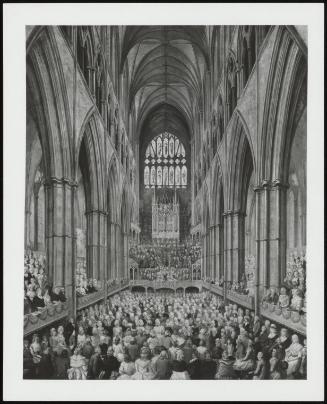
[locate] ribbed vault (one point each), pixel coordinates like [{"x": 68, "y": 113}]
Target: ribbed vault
[{"x": 165, "y": 66}]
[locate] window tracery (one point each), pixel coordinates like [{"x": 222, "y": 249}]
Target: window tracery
[{"x": 165, "y": 162}]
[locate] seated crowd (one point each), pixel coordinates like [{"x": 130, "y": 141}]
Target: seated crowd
[
  {"x": 165, "y": 274},
  {"x": 162, "y": 336},
  {"x": 38, "y": 293},
  {"x": 292, "y": 294},
  {"x": 177, "y": 256},
  {"x": 85, "y": 285}
]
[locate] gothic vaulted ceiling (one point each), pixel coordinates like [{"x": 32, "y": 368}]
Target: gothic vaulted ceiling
[{"x": 165, "y": 66}]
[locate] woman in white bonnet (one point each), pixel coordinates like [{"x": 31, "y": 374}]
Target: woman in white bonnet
[{"x": 293, "y": 356}]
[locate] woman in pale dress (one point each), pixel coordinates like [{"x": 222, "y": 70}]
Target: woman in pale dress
[
  {"x": 293, "y": 356},
  {"x": 35, "y": 349},
  {"x": 78, "y": 368},
  {"x": 246, "y": 363},
  {"x": 126, "y": 369},
  {"x": 143, "y": 368},
  {"x": 61, "y": 341},
  {"x": 117, "y": 347}
]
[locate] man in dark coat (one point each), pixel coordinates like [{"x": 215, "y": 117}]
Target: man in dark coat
[
  {"x": 92, "y": 370},
  {"x": 28, "y": 364},
  {"x": 46, "y": 369},
  {"x": 188, "y": 350},
  {"x": 208, "y": 367},
  {"x": 133, "y": 350},
  {"x": 194, "y": 367}
]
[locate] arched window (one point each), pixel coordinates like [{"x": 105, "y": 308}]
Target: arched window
[
  {"x": 231, "y": 86},
  {"x": 247, "y": 52},
  {"x": 220, "y": 119},
  {"x": 99, "y": 84},
  {"x": 165, "y": 158},
  {"x": 84, "y": 53}
]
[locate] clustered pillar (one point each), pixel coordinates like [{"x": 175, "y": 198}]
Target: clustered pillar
[
  {"x": 96, "y": 244},
  {"x": 59, "y": 194},
  {"x": 228, "y": 241}
]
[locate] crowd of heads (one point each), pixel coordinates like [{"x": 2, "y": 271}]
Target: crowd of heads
[
  {"x": 292, "y": 294},
  {"x": 166, "y": 336},
  {"x": 173, "y": 255},
  {"x": 168, "y": 274},
  {"x": 84, "y": 284},
  {"x": 38, "y": 293}
]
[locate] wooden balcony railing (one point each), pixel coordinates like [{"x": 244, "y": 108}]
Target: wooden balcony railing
[
  {"x": 45, "y": 316},
  {"x": 288, "y": 318}
]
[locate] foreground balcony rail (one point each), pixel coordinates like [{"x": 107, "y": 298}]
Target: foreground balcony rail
[
  {"x": 90, "y": 299},
  {"x": 95, "y": 297},
  {"x": 214, "y": 288},
  {"x": 241, "y": 299},
  {"x": 45, "y": 316},
  {"x": 286, "y": 317},
  {"x": 117, "y": 286}
]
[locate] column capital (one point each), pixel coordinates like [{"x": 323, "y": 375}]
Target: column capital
[
  {"x": 98, "y": 211},
  {"x": 60, "y": 181},
  {"x": 278, "y": 183},
  {"x": 265, "y": 183},
  {"x": 236, "y": 212}
]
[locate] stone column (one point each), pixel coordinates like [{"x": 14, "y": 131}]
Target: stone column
[
  {"x": 27, "y": 244},
  {"x": 203, "y": 266},
  {"x": 126, "y": 263},
  {"x": 208, "y": 253},
  {"x": 36, "y": 220},
  {"x": 220, "y": 249},
  {"x": 112, "y": 251},
  {"x": 277, "y": 233},
  {"x": 96, "y": 243},
  {"x": 237, "y": 219},
  {"x": 59, "y": 197},
  {"x": 258, "y": 191},
  {"x": 124, "y": 255},
  {"x": 212, "y": 252},
  {"x": 228, "y": 246},
  {"x": 217, "y": 251},
  {"x": 118, "y": 250},
  {"x": 262, "y": 201}
]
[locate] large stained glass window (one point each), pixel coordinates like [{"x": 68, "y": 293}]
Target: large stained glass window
[{"x": 165, "y": 163}]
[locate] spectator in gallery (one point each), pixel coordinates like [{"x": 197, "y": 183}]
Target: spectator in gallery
[
  {"x": 283, "y": 300},
  {"x": 297, "y": 300}
]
